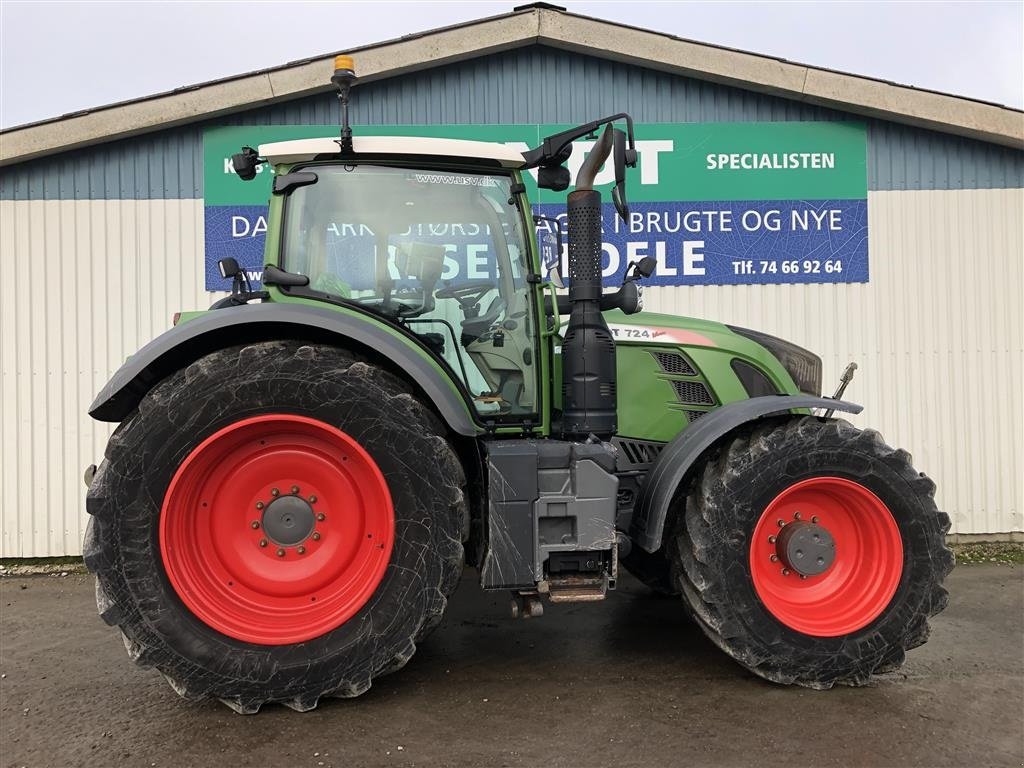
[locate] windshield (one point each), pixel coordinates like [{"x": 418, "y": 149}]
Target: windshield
[{"x": 441, "y": 253}]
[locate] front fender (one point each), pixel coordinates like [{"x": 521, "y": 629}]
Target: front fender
[
  {"x": 679, "y": 455},
  {"x": 186, "y": 343}
]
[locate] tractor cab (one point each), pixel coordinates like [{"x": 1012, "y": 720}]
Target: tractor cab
[{"x": 429, "y": 235}]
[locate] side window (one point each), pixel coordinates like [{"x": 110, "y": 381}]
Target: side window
[
  {"x": 480, "y": 321},
  {"x": 441, "y": 253}
]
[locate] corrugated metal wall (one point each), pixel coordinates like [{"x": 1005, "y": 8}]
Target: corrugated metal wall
[
  {"x": 105, "y": 278},
  {"x": 528, "y": 85},
  {"x": 936, "y": 333},
  {"x": 115, "y": 233}
]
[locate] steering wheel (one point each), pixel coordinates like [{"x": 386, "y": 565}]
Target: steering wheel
[{"x": 467, "y": 294}]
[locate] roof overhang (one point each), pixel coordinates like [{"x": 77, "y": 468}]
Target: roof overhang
[{"x": 527, "y": 26}]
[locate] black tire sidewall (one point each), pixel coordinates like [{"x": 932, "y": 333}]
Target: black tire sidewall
[
  {"x": 755, "y": 485},
  {"x": 367, "y": 404}
]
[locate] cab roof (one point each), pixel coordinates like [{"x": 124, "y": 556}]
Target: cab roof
[{"x": 301, "y": 150}]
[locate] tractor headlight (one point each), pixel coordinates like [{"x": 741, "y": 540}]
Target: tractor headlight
[{"x": 804, "y": 366}]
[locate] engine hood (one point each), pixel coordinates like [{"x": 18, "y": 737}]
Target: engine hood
[{"x": 656, "y": 328}]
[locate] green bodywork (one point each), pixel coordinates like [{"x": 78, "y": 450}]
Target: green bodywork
[{"x": 648, "y": 407}]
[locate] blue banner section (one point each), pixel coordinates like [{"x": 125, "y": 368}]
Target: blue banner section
[
  {"x": 237, "y": 231},
  {"x": 693, "y": 243},
  {"x": 737, "y": 243}
]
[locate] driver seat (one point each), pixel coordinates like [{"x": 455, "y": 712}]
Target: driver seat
[{"x": 475, "y": 327}]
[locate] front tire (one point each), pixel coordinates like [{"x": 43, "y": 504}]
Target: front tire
[
  {"x": 276, "y": 523},
  {"x": 848, "y": 588}
]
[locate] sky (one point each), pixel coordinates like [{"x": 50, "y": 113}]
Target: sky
[{"x": 59, "y": 57}]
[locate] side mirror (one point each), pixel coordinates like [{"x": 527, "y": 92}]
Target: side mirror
[
  {"x": 245, "y": 163},
  {"x": 550, "y": 242},
  {"x": 619, "y": 153}
]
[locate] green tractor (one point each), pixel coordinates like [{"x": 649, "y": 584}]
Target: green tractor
[{"x": 300, "y": 473}]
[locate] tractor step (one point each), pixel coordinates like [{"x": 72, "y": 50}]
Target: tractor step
[{"x": 577, "y": 589}]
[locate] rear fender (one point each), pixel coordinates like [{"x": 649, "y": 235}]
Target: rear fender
[
  {"x": 186, "y": 343},
  {"x": 681, "y": 454}
]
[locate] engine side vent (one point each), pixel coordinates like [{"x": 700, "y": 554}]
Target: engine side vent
[
  {"x": 692, "y": 416},
  {"x": 636, "y": 453},
  {"x": 692, "y": 393},
  {"x": 674, "y": 363}
]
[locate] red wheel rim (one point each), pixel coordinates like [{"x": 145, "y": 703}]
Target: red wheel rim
[
  {"x": 861, "y": 580},
  {"x": 276, "y": 529}
]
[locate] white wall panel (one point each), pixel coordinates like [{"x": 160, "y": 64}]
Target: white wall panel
[
  {"x": 96, "y": 280},
  {"x": 937, "y": 334}
]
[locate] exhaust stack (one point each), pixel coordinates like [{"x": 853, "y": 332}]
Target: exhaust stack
[{"x": 588, "y": 350}]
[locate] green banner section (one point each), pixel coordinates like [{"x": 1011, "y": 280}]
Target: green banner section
[{"x": 676, "y": 161}]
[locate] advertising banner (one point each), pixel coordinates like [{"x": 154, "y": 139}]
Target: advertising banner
[{"x": 714, "y": 204}]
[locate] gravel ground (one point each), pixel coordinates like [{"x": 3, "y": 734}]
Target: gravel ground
[{"x": 627, "y": 682}]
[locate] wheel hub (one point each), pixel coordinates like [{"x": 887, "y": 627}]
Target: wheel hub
[
  {"x": 806, "y": 548},
  {"x": 288, "y": 520}
]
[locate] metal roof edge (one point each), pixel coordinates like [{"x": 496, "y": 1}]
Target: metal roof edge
[
  {"x": 856, "y": 94},
  {"x": 236, "y": 94},
  {"x": 538, "y": 23}
]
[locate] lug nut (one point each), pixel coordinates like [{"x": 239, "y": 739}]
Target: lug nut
[
  {"x": 321, "y": 516},
  {"x": 316, "y": 536},
  {"x": 814, "y": 518},
  {"x": 280, "y": 553},
  {"x": 274, "y": 492},
  {"x": 796, "y": 515},
  {"x": 771, "y": 539},
  {"x": 803, "y": 577},
  {"x": 263, "y": 542},
  {"x": 780, "y": 522},
  {"x": 301, "y": 550},
  {"x": 312, "y": 499},
  {"x": 775, "y": 558},
  {"x": 255, "y": 524},
  {"x": 785, "y": 571},
  {"x": 259, "y": 505},
  {"x": 295, "y": 489}
]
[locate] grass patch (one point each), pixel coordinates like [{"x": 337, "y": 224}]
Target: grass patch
[
  {"x": 989, "y": 552},
  {"x": 33, "y": 566}
]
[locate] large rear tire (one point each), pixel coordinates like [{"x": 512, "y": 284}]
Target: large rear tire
[
  {"x": 791, "y": 607},
  {"x": 276, "y": 523}
]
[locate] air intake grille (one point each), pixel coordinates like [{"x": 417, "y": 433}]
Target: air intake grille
[
  {"x": 692, "y": 416},
  {"x": 638, "y": 452},
  {"x": 692, "y": 392},
  {"x": 673, "y": 362}
]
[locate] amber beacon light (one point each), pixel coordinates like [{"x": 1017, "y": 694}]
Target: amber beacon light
[{"x": 343, "y": 77}]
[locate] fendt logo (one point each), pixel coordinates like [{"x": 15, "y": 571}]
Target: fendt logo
[{"x": 714, "y": 204}]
